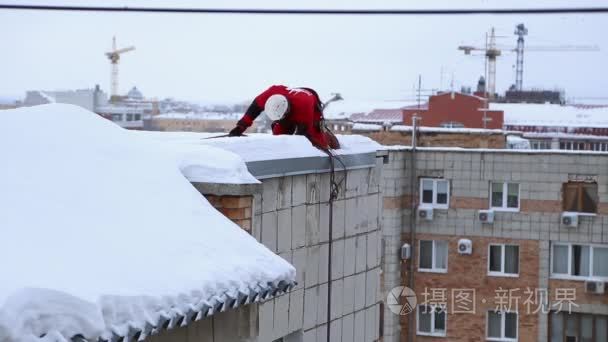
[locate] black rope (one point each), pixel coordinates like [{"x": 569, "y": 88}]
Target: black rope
[{"x": 555, "y": 10}]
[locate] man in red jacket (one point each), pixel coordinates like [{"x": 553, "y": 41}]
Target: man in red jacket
[{"x": 292, "y": 111}]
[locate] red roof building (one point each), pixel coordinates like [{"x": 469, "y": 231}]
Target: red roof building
[{"x": 455, "y": 110}]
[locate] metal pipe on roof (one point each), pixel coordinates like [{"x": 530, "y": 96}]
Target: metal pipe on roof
[{"x": 411, "y": 318}]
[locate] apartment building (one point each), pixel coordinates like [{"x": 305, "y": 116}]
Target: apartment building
[
  {"x": 505, "y": 245},
  {"x": 563, "y": 127}
]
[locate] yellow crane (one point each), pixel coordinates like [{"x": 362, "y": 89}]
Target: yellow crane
[{"x": 114, "y": 57}]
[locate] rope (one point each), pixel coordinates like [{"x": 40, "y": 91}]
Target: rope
[{"x": 334, "y": 192}]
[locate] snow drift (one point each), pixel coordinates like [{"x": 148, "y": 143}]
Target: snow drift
[
  {"x": 262, "y": 147},
  {"x": 101, "y": 230}
]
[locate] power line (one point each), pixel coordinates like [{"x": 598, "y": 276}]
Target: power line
[{"x": 572, "y": 10}]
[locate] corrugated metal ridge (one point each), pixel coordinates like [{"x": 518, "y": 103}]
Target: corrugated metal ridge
[
  {"x": 319, "y": 164},
  {"x": 176, "y": 318}
]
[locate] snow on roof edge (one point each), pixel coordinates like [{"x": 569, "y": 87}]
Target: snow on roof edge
[
  {"x": 120, "y": 161},
  {"x": 397, "y": 148}
]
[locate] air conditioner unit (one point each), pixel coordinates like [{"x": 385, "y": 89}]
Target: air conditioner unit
[
  {"x": 486, "y": 216},
  {"x": 465, "y": 246},
  {"x": 596, "y": 287},
  {"x": 425, "y": 213},
  {"x": 406, "y": 251},
  {"x": 569, "y": 219}
]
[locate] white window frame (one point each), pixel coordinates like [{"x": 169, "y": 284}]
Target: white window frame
[
  {"x": 541, "y": 144},
  {"x": 503, "y": 318},
  {"x": 502, "y": 260},
  {"x": 435, "y": 205},
  {"x": 433, "y": 332},
  {"x": 569, "y": 275},
  {"x": 433, "y": 268},
  {"x": 505, "y": 195}
]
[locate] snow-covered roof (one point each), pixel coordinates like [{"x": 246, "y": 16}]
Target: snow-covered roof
[
  {"x": 103, "y": 234},
  {"x": 265, "y": 147},
  {"x": 345, "y": 108},
  {"x": 366, "y": 127},
  {"x": 560, "y": 135},
  {"x": 492, "y": 150},
  {"x": 518, "y": 143},
  {"x": 518, "y": 114},
  {"x": 404, "y": 128},
  {"x": 380, "y": 115},
  {"x": 120, "y": 109},
  {"x": 200, "y": 116}
]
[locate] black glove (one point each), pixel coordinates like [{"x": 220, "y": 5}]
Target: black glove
[{"x": 237, "y": 131}]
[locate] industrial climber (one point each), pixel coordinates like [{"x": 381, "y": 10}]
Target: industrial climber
[{"x": 292, "y": 111}]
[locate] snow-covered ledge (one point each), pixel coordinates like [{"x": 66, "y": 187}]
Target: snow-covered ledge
[{"x": 265, "y": 156}]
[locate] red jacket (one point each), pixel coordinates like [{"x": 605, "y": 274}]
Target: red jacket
[{"x": 304, "y": 115}]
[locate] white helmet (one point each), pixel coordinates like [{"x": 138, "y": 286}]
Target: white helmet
[{"x": 276, "y": 106}]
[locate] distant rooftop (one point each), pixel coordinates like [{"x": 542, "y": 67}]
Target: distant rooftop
[
  {"x": 345, "y": 108},
  {"x": 522, "y": 114}
]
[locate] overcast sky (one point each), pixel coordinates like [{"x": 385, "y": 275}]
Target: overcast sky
[{"x": 215, "y": 58}]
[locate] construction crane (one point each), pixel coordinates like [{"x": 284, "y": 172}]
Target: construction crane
[
  {"x": 520, "y": 32},
  {"x": 114, "y": 57},
  {"x": 492, "y": 50}
]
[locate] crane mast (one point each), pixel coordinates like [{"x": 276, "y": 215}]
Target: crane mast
[
  {"x": 114, "y": 57},
  {"x": 520, "y": 31}
]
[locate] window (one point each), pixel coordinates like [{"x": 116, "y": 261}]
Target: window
[
  {"x": 431, "y": 320},
  {"x": 137, "y": 117},
  {"x": 571, "y": 145},
  {"x": 434, "y": 193},
  {"x": 580, "y": 197},
  {"x": 116, "y": 117},
  {"x": 578, "y": 327},
  {"x": 129, "y": 117},
  {"x": 540, "y": 144},
  {"x": 503, "y": 260},
  {"x": 433, "y": 256},
  {"x": 599, "y": 146},
  {"x": 579, "y": 261},
  {"x": 451, "y": 124},
  {"x": 504, "y": 196},
  {"x": 502, "y": 326}
]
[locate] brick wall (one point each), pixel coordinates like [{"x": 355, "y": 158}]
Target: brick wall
[
  {"x": 455, "y": 107},
  {"x": 471, "y": 272},
  {"x": 587, "y": 302},
  {"x": 535, "y": 226},
  {"x": 236, "y": 208},
  {"x": 432, "y": 139},
  {"x": 396, "y": 201}
]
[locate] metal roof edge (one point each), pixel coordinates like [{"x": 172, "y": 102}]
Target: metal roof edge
[
  {"x": 305, "y": 165},
  {"x": 176, "y": 318}
]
